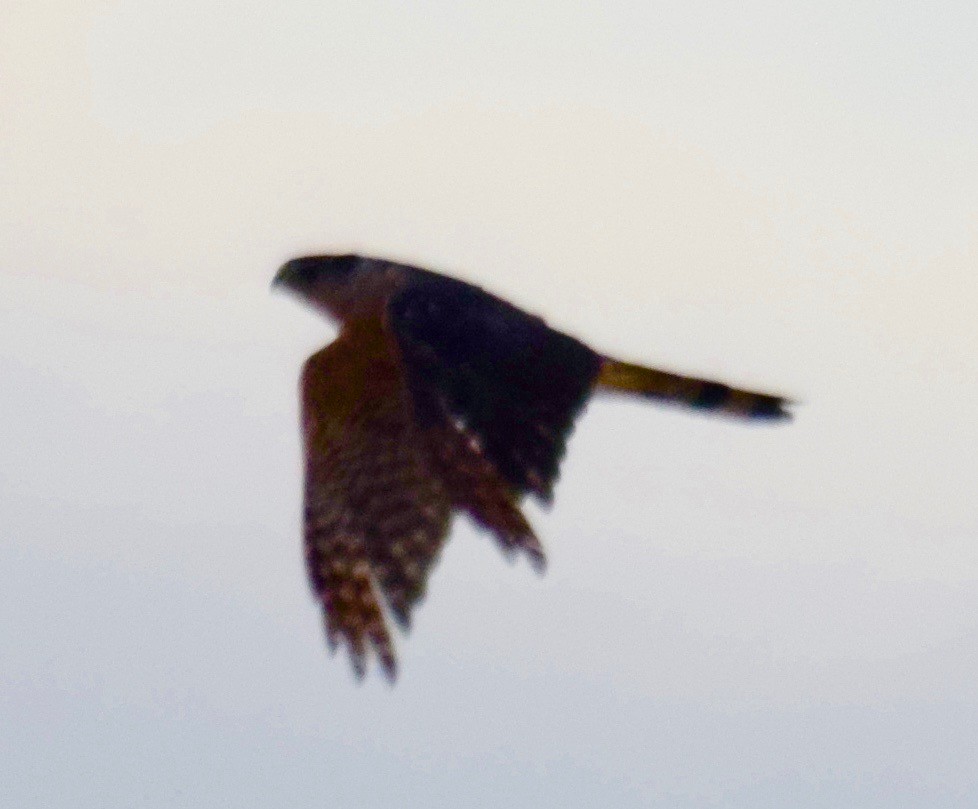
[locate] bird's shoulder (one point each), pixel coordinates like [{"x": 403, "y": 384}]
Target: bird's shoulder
[{"x": 357, "y": 373}]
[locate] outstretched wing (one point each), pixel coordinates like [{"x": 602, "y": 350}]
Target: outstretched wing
[
  {"x": 375, "y": 515},
  {"x": 496, "y": 372}
]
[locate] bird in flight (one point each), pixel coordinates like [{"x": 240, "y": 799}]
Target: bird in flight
[{"x": 438, "y": 398}]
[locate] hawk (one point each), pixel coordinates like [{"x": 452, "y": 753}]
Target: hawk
[{"x": 438, "y": 398}]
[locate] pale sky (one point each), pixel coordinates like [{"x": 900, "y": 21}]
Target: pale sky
[{"x": 773, "y": 195}]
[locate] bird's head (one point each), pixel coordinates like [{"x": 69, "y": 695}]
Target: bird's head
[{"x": 341, "y": 285}]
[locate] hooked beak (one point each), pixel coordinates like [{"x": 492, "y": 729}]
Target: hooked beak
[{"x": 286, "y": 275}]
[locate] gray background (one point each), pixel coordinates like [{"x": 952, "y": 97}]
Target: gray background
[{"x": 779, "y": 195}]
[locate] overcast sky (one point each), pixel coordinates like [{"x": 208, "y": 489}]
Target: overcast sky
[{"x": 773, "y": 195}]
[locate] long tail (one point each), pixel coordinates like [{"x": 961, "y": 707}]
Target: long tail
[{"x": 696, "y": 393}]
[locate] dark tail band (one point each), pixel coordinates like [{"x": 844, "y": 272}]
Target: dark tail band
[{"x": 700, "y": 394}]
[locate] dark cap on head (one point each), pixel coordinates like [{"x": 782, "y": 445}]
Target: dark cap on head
[{"x": 306, "y": 270}]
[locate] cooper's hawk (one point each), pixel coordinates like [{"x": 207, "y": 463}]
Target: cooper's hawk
[{"x": 438, "y": 398}]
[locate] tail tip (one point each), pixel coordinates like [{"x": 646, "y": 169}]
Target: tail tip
[{"x": 771, "y": 408}]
